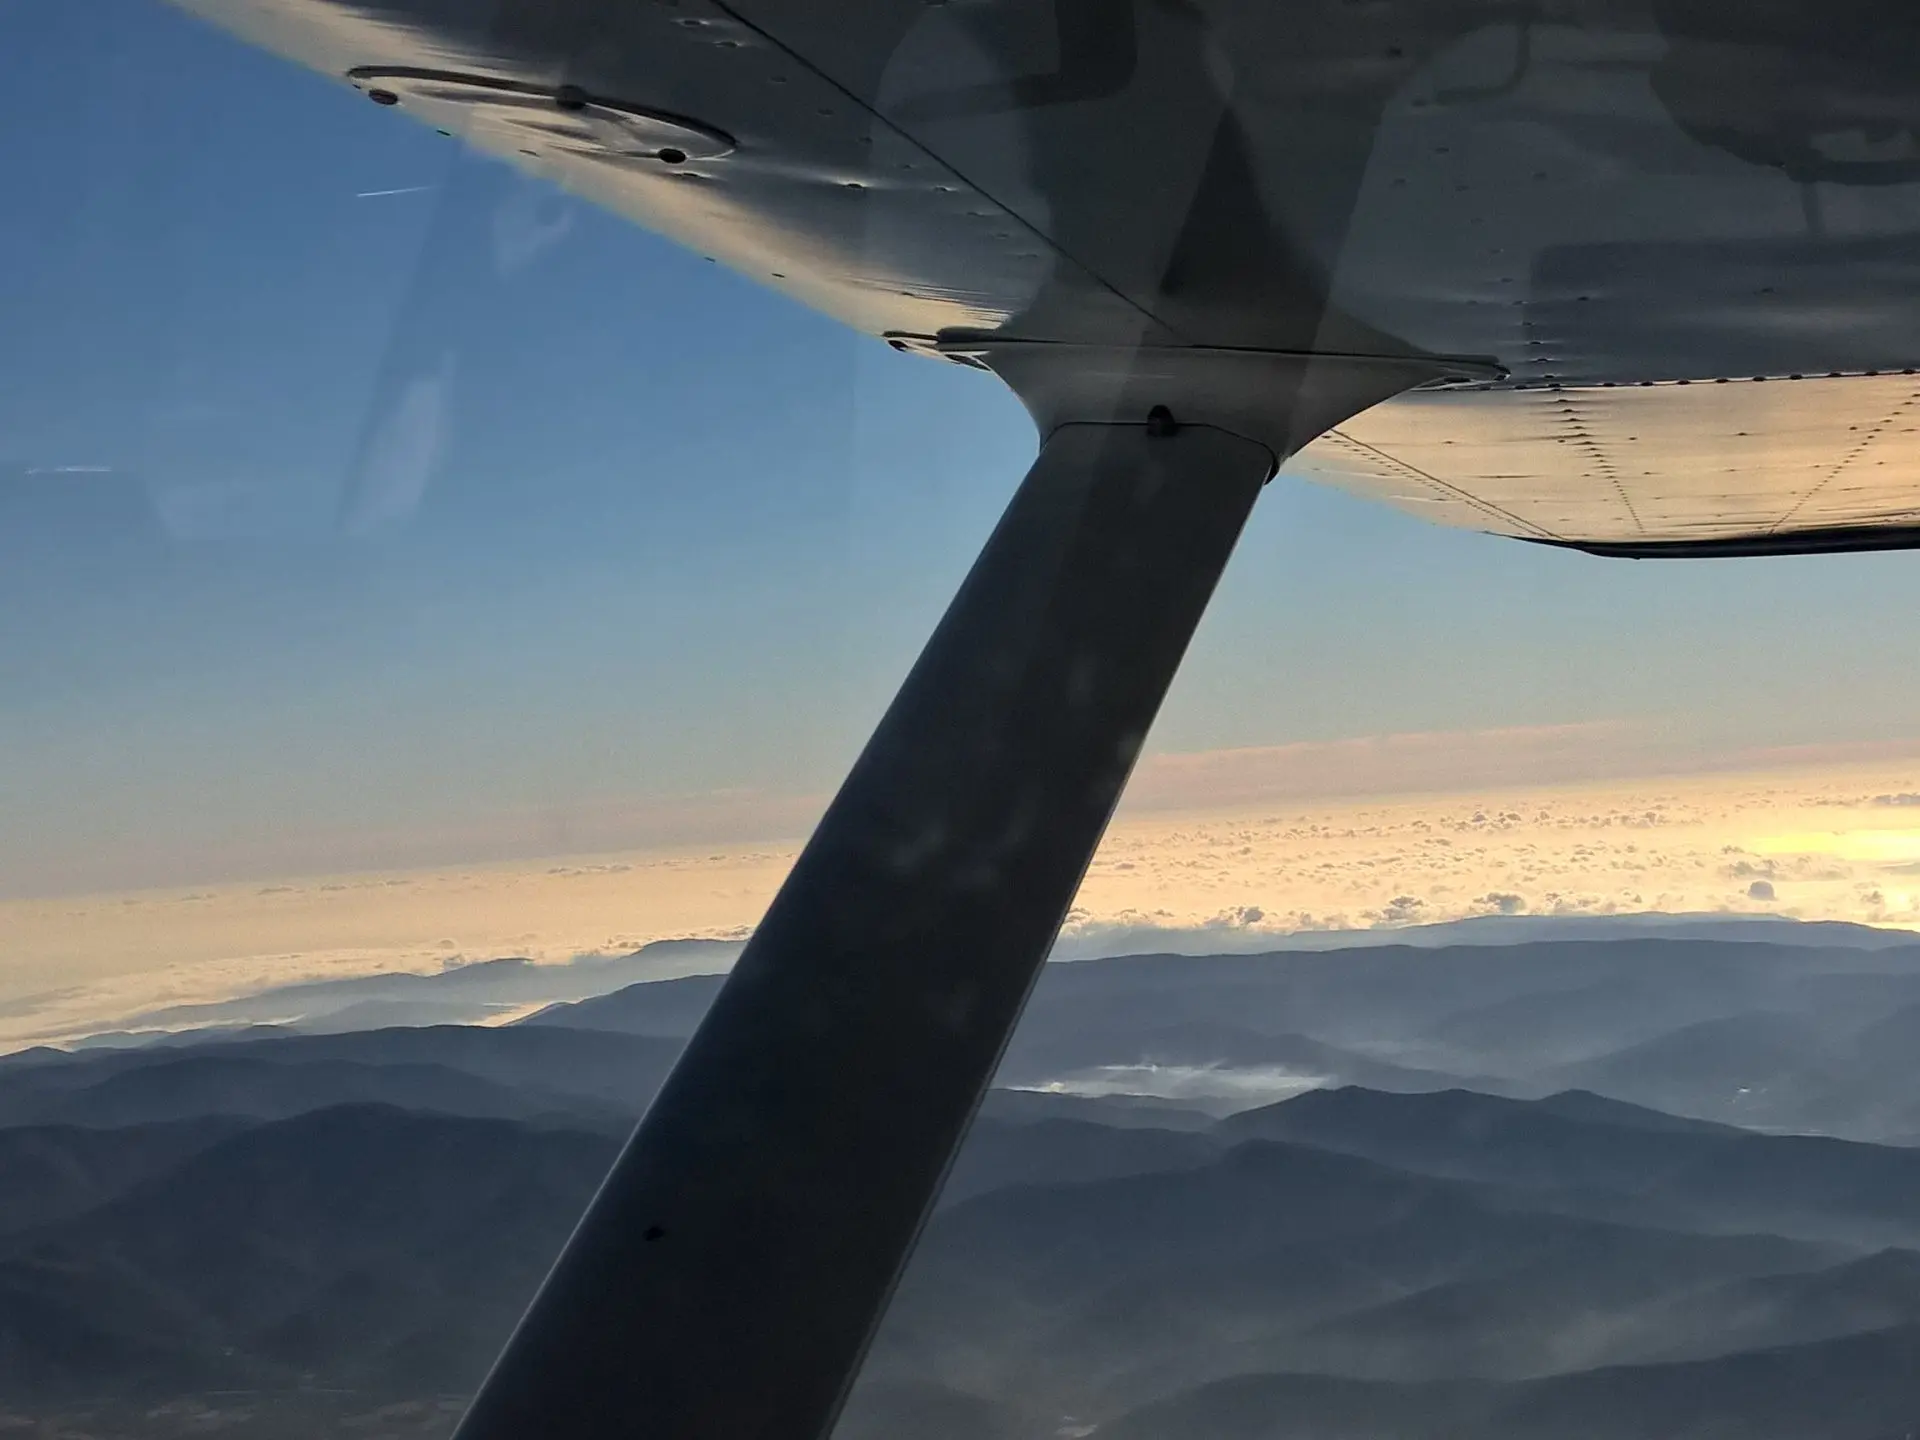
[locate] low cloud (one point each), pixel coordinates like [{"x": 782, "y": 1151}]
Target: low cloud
[
  {"x": 1807, "y": 845},
  {"x": 1401, "y": 910},
  {"x": 1668, "y": 845}
]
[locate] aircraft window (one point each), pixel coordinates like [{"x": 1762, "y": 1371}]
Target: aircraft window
[{"x": 532, "y": 685}]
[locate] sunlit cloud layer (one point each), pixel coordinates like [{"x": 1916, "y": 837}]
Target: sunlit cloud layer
[
  {"x": 1823, "y": 844},
  {"x": 1817, "y": 835},
  {"x": 79, "y": 963}
]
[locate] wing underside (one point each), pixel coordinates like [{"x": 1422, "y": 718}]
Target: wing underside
[
  {"x": 1684, "y": 230},
  {"x": 1785, "y": 464}
]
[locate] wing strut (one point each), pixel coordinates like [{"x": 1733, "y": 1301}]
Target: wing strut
[{"x": 729, "y": 1274}]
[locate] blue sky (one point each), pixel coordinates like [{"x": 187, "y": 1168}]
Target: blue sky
[{"x": 354, "y": 514}]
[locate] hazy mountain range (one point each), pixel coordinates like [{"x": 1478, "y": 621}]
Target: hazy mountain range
[
  {"x": 487, "y": 991},
  {"x": 476, "y": 992},
  {"x": 1547, "y": 1188}
]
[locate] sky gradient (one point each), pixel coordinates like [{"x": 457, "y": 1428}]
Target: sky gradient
[{"x": 366, "y": 507}]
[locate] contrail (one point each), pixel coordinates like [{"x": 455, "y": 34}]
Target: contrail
[{"x": 403, "y": 190}]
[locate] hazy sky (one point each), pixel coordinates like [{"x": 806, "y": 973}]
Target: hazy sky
[{"x": 363, "y": 504}]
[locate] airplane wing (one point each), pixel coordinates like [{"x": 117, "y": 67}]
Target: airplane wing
[
  {"x": 1684, "y": 468},
  {"x": 1637, "y": 276},
  {"x": 1610, "y": 206}
]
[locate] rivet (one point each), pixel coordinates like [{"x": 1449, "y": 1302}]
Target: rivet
[
  {"x": 570, "y": 97},
  {"x": 383, "y": 97},
  {"x": 671, "y": 156}
]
